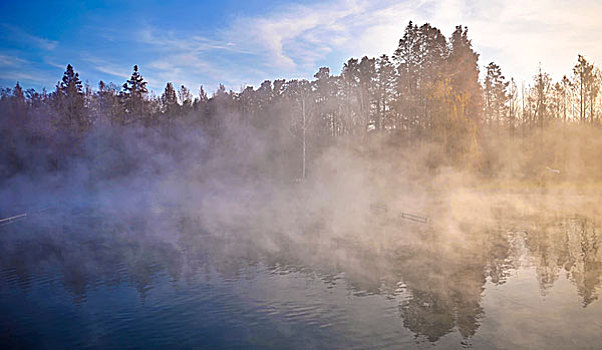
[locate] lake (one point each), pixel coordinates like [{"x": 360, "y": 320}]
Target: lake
[{"x": 91, "y": 278}]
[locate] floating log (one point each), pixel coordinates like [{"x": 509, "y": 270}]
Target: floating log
[
  {"x": 414, "y": 217},
  {"x": 380, "y": 208},
  {"x": 12, "y": 218}
]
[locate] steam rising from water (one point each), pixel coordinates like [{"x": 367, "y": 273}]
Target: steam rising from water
[
  {"x": 135, "y": 197},
  {"x": 230, "y": 188}
]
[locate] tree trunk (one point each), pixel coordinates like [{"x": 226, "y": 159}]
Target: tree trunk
[{"x": 304, "y": 137}]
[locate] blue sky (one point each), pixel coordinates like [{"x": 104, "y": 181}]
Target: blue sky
[{"x": 241, "y": 43}]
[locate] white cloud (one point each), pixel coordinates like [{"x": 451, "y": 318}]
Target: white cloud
[
  {"x": 35, "y": 77},
  {"x": 182, "y": 58},
  {"x": 101, "y": 65},
  {"x": 21, "y": 70},
  {"x": 28, "y": 39},
  {"x": 298, "y": 38},
  {"x": 293, "y": 41},
  {"x": 11, "y": 61},
  {"x": 296, "y": 35}
]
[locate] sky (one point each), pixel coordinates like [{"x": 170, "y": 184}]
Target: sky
[{"x": 241, "y": 43}]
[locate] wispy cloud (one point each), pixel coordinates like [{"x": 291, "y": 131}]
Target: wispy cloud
[
  {"x": 518, "y": 36},
  {"x": 11, "y": 61},
  {"x": 25, "y": 38},
  {"x": 294, "y": 40},
  {"x": 107, "y": 67},
  {"x": 36, "y": 77},
  {"x": 297, "y": 35},
  {"x": 184, "y": 57},
  {"x": 189, "y": 42},
  {"x": 21, "y": 76},
  {"x": 13, "y": 68}
]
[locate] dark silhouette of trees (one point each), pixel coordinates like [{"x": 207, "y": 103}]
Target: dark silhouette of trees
[
  {"x": 107, "y": 108},
  {"x": 427, "y": 93},
  {"x": 420, "y": 58},
  {"x": 169, "y": 101},
  {"x": 186, "y": 99},
  {"x": 587, "y": 81},
  {"x": 385, "y": 94},
  {"x": 464, "y": 71},
  {"x": 134, "y": 93},
  {"x": 495, "y": 91},
  {"x": 69, "y": 103}
]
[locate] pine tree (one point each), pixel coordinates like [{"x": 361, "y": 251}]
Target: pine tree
[
  {"x": 108, "y": 107},
  {"x": 186, "y": 99},
  {"x": 420, "y": 58},
  {"x": 70, "y": 83},
  {"x": 69, "y": 102},
  {"x": 587, "y": 80},
  {"x": 464, "y": 71},
  {"x": 203, "y": 98},
  {"x": 18, "y": 94},
  {"x": 367, "y": 85},
  {"x": 134, "y": 93},
  {"x": 326, "y": 101},
  {"x": 359, "y": 82},
  {"x": 385, "y": 91},
  {"x": 541, "y": 89},
  {"x": 169, "y": 101},
  {"x": 15, "y": 108},
  {"x": 496, "y": 94},
  {"x": 200, "y": 103}
]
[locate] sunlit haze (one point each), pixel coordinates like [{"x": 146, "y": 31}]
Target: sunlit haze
[
  {"x": 243, "y": 43},
  {"x": 300, "y": 175}
]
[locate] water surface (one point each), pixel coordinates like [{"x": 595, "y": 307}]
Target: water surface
[{"x": 93, "y": 279}]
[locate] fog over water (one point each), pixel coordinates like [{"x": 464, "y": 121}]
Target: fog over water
[
  {"x": 401, "y": 203},
  {"x": 214, "y": 242}
]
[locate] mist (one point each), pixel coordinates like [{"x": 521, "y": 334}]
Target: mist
[{"x": 384, "y": 173}]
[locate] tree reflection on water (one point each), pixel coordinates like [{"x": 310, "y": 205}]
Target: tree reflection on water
[
  {"x": 571, "y": 246},
  {"x": 440, "y": 276}
]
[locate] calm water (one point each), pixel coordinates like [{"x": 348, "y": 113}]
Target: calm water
[{"x": 86, "y": 279}]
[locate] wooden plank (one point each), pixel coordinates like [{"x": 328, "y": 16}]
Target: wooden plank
[
  {"x": 12, "y": 218},
  {"x": 414, "y": 217}
]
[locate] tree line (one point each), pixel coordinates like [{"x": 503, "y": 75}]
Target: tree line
[{"x": 427, "y": 91}]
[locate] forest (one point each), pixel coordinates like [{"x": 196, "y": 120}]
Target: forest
[
  {"x": 421, "y": 198},
  {"x": 430, "y": 107}
]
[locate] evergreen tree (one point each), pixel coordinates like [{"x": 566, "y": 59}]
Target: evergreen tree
[
  {"x": 18, "y": 94},
  {"x": 326, "y": 101},
  {"x": 109, "y": 108},
  {"x": 134, "y": 93},
  {"x": 420, "y": 58},
  {"x": 186, "y": 99},
  {"x": 169, "y": 101},
  {"x": 464, "y": 71},
  {"x": 203, "y": 98},
  {"x": 359, "y": 82},
  {"x": 495, "y": 94},
  {"x": 200, "y": 103},
  {"x": 69, "y": 102},
  {"x": 385, "y": 92},
  {"x": 587, "y": 80},
  {"x": 541, "y": 89},
  {"x": 367, "y": 90}
]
